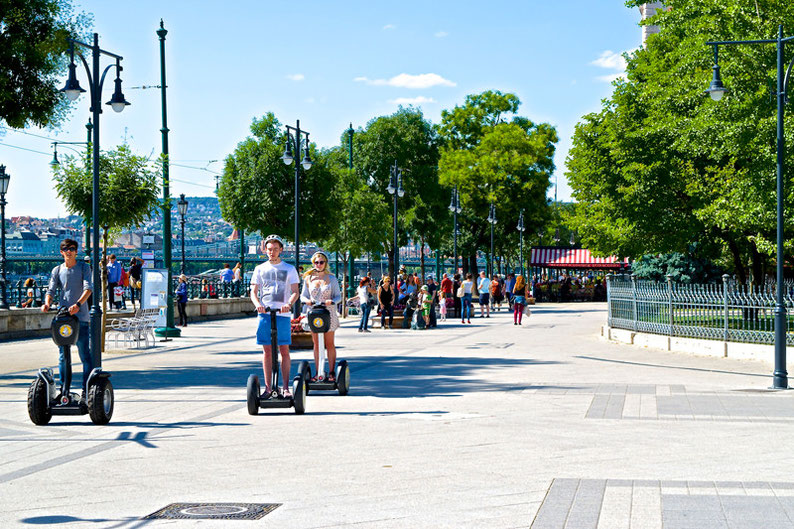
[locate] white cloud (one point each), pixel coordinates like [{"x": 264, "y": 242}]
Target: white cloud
[
  {"x": 296, "y": 77},
  {"x": 610, "y": 60},
  {"x": 611, "y": 77},
  {"x": 404, "y": 80},
  {"x": 311, "y": 100},
  {"x": 389, "y": 26},
  {"x": 412, "y": 100},
  {"x": 441, "y": 34}
]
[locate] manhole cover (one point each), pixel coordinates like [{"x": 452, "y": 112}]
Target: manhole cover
[{"x": 214, "y": 511}]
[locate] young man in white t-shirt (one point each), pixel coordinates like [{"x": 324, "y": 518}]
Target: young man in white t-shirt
[
  {"x": 274, "y": 284},
  {"x": 484, "y": 286}
]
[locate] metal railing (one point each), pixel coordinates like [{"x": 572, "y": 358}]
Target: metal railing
[{"x": 729, "y": 311}]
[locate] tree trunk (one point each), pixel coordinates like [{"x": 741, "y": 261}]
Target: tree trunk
[
  {"x": 345, "y": 281},
  {"x": 757, "y": 263},
  {"x": 390, "y": 254},
  {"x": 736, "y": 254}
]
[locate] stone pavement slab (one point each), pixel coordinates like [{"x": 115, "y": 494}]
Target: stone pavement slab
[{"x": 482, "y": 425}]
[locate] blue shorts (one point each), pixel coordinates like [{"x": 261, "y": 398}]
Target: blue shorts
[
  {"x": 484, "y": 299},
  {"x": 283, "y": 330}
]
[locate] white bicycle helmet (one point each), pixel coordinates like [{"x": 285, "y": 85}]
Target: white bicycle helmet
[{"x": 274, "y": 238}]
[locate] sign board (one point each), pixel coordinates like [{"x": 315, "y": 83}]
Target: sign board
[
  {"x": 252, "y": 249},
  {"x": 148, "y": 258},
  {"x": 148, "y": 239},
  {"x": 154, "y": 292}
]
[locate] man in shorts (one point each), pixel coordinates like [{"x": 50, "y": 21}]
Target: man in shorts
[
  {"x": 484, "y": 287},
  {"x": 274, "y": 284}
]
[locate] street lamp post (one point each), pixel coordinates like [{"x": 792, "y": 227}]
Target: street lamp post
[
  {"x": 716, "y": 90},
  {"x": 295, "y": 141},
  {"x": 396, "y": 188},
  {"x": 55, "y": 163},
  {"x": 5, "y": 178},
  {"x": 351, "y": 265},
  {"x": 454, "y": 207},
  {"x": 492, "y": 221},
  {"x": 182, "y": 205},
  {"x": 520, "y": 229},
  {"x": 72, "y": 89},
  {"x": 169, "y": 329}
]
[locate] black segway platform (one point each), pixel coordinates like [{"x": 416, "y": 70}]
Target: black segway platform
[
  {"x": 44, "y": 399},
  {"x": 319, "y": 322},
  {"x": 256, "y": 400}
]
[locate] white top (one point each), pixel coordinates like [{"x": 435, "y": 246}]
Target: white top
[
  {"x": 363, "y": 295},
  {"x": 275, "y": 284},
  {"x": 467, "y": 286},
  {"x": 484, "y": 285}
]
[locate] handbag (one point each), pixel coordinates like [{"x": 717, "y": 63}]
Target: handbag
[
  {"x": 461, "y": 291},
  {"x": 527, "y": 312}
]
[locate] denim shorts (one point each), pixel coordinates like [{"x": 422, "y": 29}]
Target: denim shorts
[
  {"x": 484, "y": 299},
  {"x": 283, "y": 330}
]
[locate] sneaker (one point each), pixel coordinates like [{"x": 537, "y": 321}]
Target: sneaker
[
  {"x": 367, "y": 330},
  {"x": 360, "y": 330}
]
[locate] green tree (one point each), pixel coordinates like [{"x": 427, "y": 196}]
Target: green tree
[
  {"x": 493, "y": 155},
  {"x": 257, "y": 190},
  {"x": 661, "y": 166},
  {"x": 409, "y": 139},
  {"x": 33, "y": 43}
]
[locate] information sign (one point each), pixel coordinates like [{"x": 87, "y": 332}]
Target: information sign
[{"x": 154, "y": 293}]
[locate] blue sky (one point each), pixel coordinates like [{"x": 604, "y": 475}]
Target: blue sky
[{"x": 328, "y": 64}]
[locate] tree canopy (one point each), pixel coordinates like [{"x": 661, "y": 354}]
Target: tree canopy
[
  {"x": 33, "y": 45},
  {"x": 493, "y": 155},
  {"x": 661, "y": 166},
  {"x": 257, "y": 190}
]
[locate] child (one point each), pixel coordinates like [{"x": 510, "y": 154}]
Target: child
[
  {"x": 427, "y": 305},
  {"x": 442, "y": 307}
]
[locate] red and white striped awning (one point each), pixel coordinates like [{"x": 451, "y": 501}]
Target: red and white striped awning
[{"x": 573, "y": 258}]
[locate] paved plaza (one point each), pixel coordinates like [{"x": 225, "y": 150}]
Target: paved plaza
[{"x": 541, "y": 426}]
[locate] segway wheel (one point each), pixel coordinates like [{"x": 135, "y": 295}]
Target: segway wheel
[
  {"x": 343, "y": 378},
  {"x": 100, "y": 401},
  {"x": 306, "y": 372},
  {"x": 299, "y": 392},
  {"x": 38, "y": 407},
  {"x": 252, "y": 395}
]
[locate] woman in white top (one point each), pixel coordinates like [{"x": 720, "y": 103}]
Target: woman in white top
[
  {"x": 321, "y": 286},
  {"x": 467, "y": 286},
  {"x": 365, "y": 293}
]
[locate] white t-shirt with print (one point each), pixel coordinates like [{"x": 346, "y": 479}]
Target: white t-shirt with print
[{"x": 275, "y": 284}]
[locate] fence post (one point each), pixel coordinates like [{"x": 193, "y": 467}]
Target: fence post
[
  {"x": 634, "y": 300},
  {"x": 725, "y": 278},
  {"x": 670, "y": 306},
  {"x": 609, "y": 300}
]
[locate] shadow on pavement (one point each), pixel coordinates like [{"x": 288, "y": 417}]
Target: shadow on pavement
[{"x": 377, "y": 376}]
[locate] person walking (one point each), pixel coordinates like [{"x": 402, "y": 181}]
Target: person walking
[
  {"x": 386, "y": 297},
  {"x": 484, "y": 288},
  {"x": 519, "y": 299},
  {"x": 366, "y": 295},
  {"x": 237, "y": 279},
  {"x": 321, "y": 287},
  {"x": 466, "y": 289},
  {"x": 114, "y": 276},
  {"x": 135, "y": 280},
  {"x": 181, "y": 300},
  {"x": 274, "y": 285},
  {"x": 73, "y": 278}
]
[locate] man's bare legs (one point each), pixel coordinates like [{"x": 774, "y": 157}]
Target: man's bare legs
[{"x": 267, "y": 366}]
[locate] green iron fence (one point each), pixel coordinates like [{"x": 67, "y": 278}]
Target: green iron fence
[{"x": 729, "y": 311}]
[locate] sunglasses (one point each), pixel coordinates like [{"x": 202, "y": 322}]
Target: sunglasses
[
  {"x": 319, "y": 262},
  {"x": 69, "y": 249}
]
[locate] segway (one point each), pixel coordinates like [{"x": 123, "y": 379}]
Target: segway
[
  {"x": 255, "y": 400},
  {"x": 319, "y": 320},
  {"x": 44, "y": 400}
]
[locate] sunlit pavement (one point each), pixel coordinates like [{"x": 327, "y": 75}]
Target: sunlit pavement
[{"x": 482, "y": 425}]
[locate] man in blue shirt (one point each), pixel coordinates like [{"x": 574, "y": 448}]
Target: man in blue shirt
[
  {"x": 510, "y": 283},
  {"x": 114, "y": 276},
  {"x": 227, "y": 273}
]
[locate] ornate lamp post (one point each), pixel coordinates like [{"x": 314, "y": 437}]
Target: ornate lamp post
[
  {"x": 716, "y": 90},
  {"x": 492, "y": 221},
  {"x": 5, "y": 178},
  {"x": 118, "y": 102},
  {"x": 182, "y": 205},
  {"x": 520, "y": 229},
  {"x": 297, "y": 142},
  {"x": 396, "y": 189},
  {"x": 351, "y": 265},
  {"x": 55, "y": 163},
  {"x": 454, "y": 207}
]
